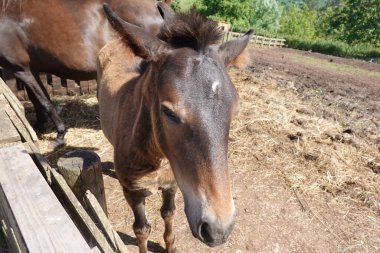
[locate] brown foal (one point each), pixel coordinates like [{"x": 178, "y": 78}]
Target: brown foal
[{"x": 169, "y": 96}]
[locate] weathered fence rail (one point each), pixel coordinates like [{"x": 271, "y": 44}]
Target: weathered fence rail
[
  {"x": 260, "y": 40},
  {"x": 31, "y": 216}
]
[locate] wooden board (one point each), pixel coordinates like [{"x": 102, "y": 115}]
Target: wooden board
[
  {"x": 12, "y": 104},
  {"x": 31, "y": 210},
  {"x": 80, "y": 214},
  {"x": 101, "y": 218},
  {"x": 19, "y": 121},
  {"x": 8, "y": 132},
  {"x": 26, "y": 219},
  {"x": 8, "y": 94}
]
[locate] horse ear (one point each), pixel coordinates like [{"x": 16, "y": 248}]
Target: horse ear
[
  {"x": 142, "y": 43},
  {"x": 165, "y": 10},
  {"x": 233, "y": 49}
]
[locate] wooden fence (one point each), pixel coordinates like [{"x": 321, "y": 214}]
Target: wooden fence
[
  {"x": 53, "y": 84},
  {"x": 260, "y": 41},
  {"x": 32, "y": 217}
]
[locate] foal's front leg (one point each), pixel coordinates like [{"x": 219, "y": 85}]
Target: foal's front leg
[
  {"x": 167, "y": 213},
  {"x": 141, "y": 226}
]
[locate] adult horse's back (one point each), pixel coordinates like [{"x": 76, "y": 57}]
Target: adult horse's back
[{"x": 62, "y": 37}]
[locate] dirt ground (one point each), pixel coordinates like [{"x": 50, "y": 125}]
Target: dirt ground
[{"x": 304, "y": 158}]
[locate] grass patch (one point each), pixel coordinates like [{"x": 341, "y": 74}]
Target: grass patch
[
  {"x": 337, "y": 48},
  {"x": 340, "y": 67}
]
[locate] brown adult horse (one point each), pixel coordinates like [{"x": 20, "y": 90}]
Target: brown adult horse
[
  {"x": 62, "y": 37},
  {"x": 171, "y": 97}
]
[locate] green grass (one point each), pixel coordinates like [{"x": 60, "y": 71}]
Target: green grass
[
  {"x": 337, "y": 48},
  {"x": 323, "y": 63}
]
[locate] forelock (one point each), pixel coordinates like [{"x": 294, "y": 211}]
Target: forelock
[{"x": 191, "y": 30}]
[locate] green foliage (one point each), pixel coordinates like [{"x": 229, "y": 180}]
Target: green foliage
[
  {"x": 182, "y": 5},
  {"x": 265, "y": 16},
  {"x": 315, "y": 4},
  {"x": 323, "y": 23},
  {"x": 348, "y": 28},
  {"x": 356, "y": 21},
  {"x": 299, "y": 22},
  {"x": 237, "y": 13},
  {"x": 337, "y": 48},
  {"x": 286, "y": 4},
  {"x": 176, "y": 6}
]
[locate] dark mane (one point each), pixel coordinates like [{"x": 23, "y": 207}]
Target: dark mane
[
  {"x": 192, "y": 30},
  {"x": 6, "y": 4}
]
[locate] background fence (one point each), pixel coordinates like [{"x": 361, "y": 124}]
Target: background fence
[
  {"x": 260, "y": 41},
  {"x": 53, "y": 84}
]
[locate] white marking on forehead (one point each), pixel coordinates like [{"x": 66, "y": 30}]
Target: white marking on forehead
[
  {"x": 215, "y": 85},
  {"x": 26, "y": 22}
]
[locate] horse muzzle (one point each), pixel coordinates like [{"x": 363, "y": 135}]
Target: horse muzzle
[
  {"x": 213, "y": 232},
  {"x": 209, "y": 227}
]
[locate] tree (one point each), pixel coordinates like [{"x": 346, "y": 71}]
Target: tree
[
  {"x": 236, "y": 12},
  {"x": 286, "y": 4},
  {"x": 265, "y": 16},
  {"x": 323, "y": 27},
  {"x": 176, "y": 5},
  {"x": 299, "y": 22},
  {"x": 315, "y": 4},
  {"x": 356, "y": 21}
]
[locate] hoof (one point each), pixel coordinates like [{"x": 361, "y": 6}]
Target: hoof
[
  {"x": 56, "y": 144},
  {"x": 58, "y": 108}
]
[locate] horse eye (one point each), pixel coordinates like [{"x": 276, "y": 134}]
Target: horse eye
[{"x": 170, "y": 114}]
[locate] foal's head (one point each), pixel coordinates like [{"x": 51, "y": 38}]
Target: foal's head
[{"x": 194, "y": 102}]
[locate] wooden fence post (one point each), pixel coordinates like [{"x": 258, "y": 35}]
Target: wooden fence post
[{"x": 82, "y": 171}]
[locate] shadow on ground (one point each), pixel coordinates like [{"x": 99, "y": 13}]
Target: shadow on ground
[{"x": 152, "y": 246}]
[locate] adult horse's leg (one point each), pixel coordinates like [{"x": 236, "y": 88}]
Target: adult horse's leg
[
  {"x": 40, "y": 112},
  {"x": 29, "y": 80},
  {"x": 141, "y": 226},
  {"x": 167, "y": 213},
  {"x": 41, "y": 119}
]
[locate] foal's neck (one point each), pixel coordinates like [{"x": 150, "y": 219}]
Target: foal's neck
[{"x": 144, "y": 146}]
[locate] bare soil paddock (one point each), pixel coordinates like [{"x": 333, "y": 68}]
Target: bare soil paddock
[{"x": 304, "y": 157}]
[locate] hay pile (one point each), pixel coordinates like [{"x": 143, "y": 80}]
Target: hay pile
[{"x": 275, "y": 128}]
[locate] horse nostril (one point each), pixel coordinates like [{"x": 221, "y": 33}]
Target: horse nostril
[
  {"x": 206, "y": 232},
  {"x": 212, "y": 234}
]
